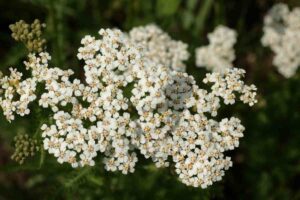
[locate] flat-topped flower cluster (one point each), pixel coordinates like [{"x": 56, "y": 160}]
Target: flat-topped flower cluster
[
  {"x": 129, "y": 105},
  {"x": 281, "y": 34}
]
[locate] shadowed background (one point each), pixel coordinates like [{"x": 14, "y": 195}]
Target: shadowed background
[{"x": 265, "y": 166}]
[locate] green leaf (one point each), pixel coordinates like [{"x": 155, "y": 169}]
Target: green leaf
[
  {"x": 167, "y": 7},
  {"x": 81, "y": 174}
]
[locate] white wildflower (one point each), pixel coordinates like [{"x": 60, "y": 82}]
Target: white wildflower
[
  {"x": 159, "y": 48},
  {"x": 281, "y": 30},
  {"x": 219, "y": 54},
  {"x": 129, "y": 104}
]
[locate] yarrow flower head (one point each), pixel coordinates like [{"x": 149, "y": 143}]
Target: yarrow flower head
[
  {"x": 129, "y": 105},
  {"x": 111, "y": 63},
  {"x": 219, "y": 54},
  {"x": 113, "y": 59},
  {"x": 174, "y": 123},
  {"x": 159, "y": 48},
  {"x": 281, "y": 30}
]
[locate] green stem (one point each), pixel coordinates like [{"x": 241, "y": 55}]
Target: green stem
[
  {"x": 219, "y": 14},
  {"x": 42, "y": 157},
  {"x": 202, "y": 16},
  {"x": 56, "y": 11},
  {"x": 60, "y": 36}
]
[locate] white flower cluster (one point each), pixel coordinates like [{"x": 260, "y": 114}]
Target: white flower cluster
[
  {"x": 129, "y": 105},
  {"x": 219, "y": 54},
  {"x": 159, "y": 48},
  {"x": 16, "y": 94},
  {"x": 173, "y": 123},
  {"x": 281, "y": 30},
  {"x": 99, "y": 120},
  {"x": 225, "y": 87}
]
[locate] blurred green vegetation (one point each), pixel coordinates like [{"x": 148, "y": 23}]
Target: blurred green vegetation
[{"x": 267, "y": 163}]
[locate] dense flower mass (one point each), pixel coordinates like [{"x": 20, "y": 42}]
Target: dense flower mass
[
  {"x": 174, "y": 122},
  {"x": 133, "y": 102},
  {"x": 281, "y": 30},
  {"x": 16, "y": 94},
  {"x": 219, "y": 54},
  {"x": 159, "y": 48}
]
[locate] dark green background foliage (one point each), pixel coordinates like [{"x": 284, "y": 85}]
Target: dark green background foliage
[{"x": 267, "y": 163}]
